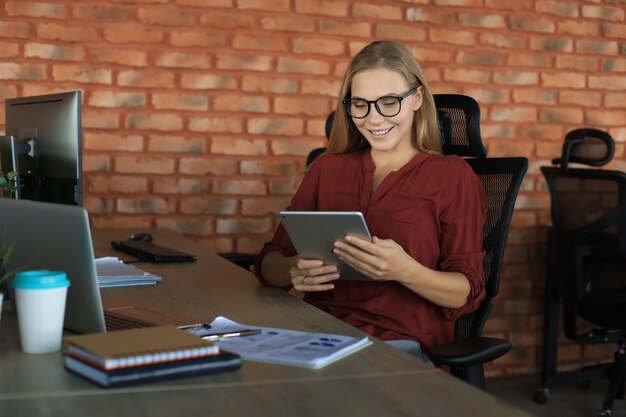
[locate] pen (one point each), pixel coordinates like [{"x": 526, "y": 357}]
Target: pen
[{"x": 219, "y": 336}]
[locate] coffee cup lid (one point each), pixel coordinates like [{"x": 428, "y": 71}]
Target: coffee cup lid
[{"x": 40, "y": 279}]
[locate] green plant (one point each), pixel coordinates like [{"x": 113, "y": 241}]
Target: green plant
[{"x": 8, "y": 183}]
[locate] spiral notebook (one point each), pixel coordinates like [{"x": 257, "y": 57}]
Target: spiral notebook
[{"x": 137, "y": 347}]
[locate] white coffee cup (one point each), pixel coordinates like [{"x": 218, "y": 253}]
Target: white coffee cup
[{"x": 40, "y": 297}]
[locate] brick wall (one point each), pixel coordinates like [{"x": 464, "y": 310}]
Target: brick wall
[{"x": 197, "y": 113}]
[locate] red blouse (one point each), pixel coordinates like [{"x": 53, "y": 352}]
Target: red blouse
[{"x": 434, "y": 207}]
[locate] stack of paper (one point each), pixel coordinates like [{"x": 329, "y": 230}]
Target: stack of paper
[
  {"x": 112, "y": 272},
  {"x": 282, "y": 346}
]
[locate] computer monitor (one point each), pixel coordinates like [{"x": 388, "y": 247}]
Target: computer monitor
[{"x": 44, "y": 134}]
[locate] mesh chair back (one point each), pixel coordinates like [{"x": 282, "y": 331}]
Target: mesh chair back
[{"x": 459, "y": 121}]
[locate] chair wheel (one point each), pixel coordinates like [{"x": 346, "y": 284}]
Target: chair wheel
[{"x": 542, "y": 395}]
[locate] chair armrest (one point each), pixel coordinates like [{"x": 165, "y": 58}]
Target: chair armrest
[{"x": 469, "y": 352}]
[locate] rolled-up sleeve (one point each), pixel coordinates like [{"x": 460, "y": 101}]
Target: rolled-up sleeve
[{"x": 462, "y": 224}]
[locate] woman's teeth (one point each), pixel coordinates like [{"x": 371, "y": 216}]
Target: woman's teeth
[{"x": 380, "y": 132}]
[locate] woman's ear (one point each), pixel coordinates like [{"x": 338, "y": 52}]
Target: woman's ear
[{"x": 418, "y": 98}]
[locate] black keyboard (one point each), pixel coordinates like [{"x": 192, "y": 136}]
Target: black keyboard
[{"x": 151, "y": 252}]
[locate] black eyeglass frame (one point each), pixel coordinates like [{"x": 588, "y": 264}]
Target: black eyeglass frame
[{"x": 346, "y": 102}]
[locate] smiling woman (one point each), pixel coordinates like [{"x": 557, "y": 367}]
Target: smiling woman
[{"x": 425, "y": 211}]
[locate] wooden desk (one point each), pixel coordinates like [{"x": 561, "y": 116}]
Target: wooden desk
[{"x": 377, "y": 381}]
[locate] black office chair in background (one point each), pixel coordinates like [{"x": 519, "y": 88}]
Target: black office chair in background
[
  {"x": 585, "y": 262},
  {"x": 459, "y": 121}
]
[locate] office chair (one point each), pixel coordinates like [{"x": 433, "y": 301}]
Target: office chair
[
  {"x": 459, "y": 122},
  {"x": 585, "y": 262},
  {"x": 318, "y": 151}
]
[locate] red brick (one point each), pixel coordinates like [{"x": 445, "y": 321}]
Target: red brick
[
  {"x": 144, "y": 165},
  {"x": 583, "y": 98},
  {"x": 100, "y": 120},
  {"x": 154, "y": 121},
  {"x": 353, "y": 29},
  {"x": 322, "y": 7},
  {"x": 377, "y": 11},
  {"x": 112, "y": 99},
  {"x": 275, "y": 126},
  {"x": 466, "y": 3},
  {"x": 288, "y": 24},
  {"x": 481, "y": 58},
  {"x": 7, "y": 91},
  {"x": 535, "y": 96},
  {"x": 531, "y": 24},
  {"x": 578, "y": 27},
  {"x": 559, "y": 8},
  {"x": 551, "y": 44},
  {"x": 11, "y": 71},
  {"x": 603, "y": 12},
  {"x": 482, "y": 20},
  {"x": 400, "y": 32},
  {"x": 581, "y": 63},
  {"x": 615, "y": 65},
  {"x": 563, "y": 79},
  {"x": 614, "y": 30},
  {"x": 120, "y": 221},
  {"x": 251, "y": 62},
  {"x": 530, "y": 60},
  {"x": 82, "y": 74},
  {"x": 615, "y": 100},
  {"x": 260, "y": 42},
  {"x": 99, "y": 13},
  {"x": 183, "y": 60},
  {"x": 321, "y": 87},
  {"x": 14, "y": 30},
  {"x": 273, "y": 168},
  {"x": 239, "y": 187},
  {"x": 431, "y": 15},
  {"x": 516, "y": 77},
  {"x": 9, "y": 49},
  {"x": 237, "y": 102},
  {"x": 425, "y": 55},
  {"x": 112, "y": 142},
  {"x": 227, "y": 20},
  {"x": 205, "y": 3},
  {"x": 230, "y": 146},
  {"x": 60, "y": 32},
  {"x": 561, "y": 114},
  {"x": 225, "y": 226},
  {"x": 216, "y": 125},
  {"x": 316, "y": 45},
  {"x": 265, "y": 5},
  {"x": 604, "y": 117},
  {"x": 514, "y": 114},
  {"x": 186, "y": 226},
  {"x": 198, "y": 38},
  {"x": 597, "y": 47},
  {"x": 177, "y": 101},
  {"x": 291, "y": 147},
  {"x": 515, "y": 5},
  {"x": 146, "y": 78},
  {"x": 177, "y": 144},
  {"x": 609, "y": 82},
  {"x": 208, "y": 165},
  {"x": 457, "y": 37},
  {"x": 151, "y": 205},
  {"x": 179, "y": 186},
  {"x": 133, "y": 34},
  {"x": 208, "y": 82},
  {"x": 35, "y": 9},
  {"x": 497, "y": 131},
  {"x": 485, "y": 96},
  {"x": 310, "y": 106},
  {"x": 303, "y": 66},
  {"x": 204, "y": 205},
  {"x": 96, "y": 206},
  {"x": 282, "y": 187},
  {"x": 128, "y": 57},
  {"x": 166, "y": 16},
  {"x": 511, "y": 148},
  {"x": 117, "y": 184},
  {"x": 468, "y": 76},
  {"x": 96, "y": 163},
  {"x": 500, "y": 40},
  {"x": 266, "y": 84}
]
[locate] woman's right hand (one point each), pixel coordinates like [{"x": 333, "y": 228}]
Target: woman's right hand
[{"x": 312, "y": 274}]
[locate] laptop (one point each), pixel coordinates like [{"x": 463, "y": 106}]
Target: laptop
[{"x": 58, "y": 237}]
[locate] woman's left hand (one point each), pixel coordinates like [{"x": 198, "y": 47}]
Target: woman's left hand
[{"x": 380, "y": 259}]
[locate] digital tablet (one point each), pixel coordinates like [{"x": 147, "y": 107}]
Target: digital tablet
[{"x": 314, "y": 232}]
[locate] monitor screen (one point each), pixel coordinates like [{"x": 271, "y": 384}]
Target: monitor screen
[{"x": 47, "y": 131}]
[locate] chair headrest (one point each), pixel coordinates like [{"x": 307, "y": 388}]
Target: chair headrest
[
  {"x": 586, "y": 146},
  {"x": 329, "y": 124},
  {"x": 459, "y": 122}
]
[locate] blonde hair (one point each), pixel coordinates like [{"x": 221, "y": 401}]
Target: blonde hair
[{"x": 394, "y": 56}]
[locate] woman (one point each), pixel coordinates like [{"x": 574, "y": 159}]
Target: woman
[{"x": 424, "y": 210}]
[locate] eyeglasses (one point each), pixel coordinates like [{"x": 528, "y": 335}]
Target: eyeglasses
[{"x": 387, "y": 106}]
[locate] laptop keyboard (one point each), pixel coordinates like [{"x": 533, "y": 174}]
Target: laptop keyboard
[{"x": 114, "y": 322}]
